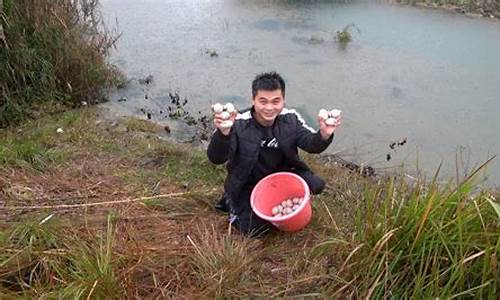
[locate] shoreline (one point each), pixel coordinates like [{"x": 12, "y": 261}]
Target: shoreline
[{"x": 479, "y": 12}]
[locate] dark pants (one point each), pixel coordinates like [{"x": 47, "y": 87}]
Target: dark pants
[
  {"x": 316, "y": 184},
  {"x": 242, "y": 217}
]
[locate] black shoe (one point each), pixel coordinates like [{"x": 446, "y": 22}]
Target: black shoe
[{"x": 222, "y": 205}]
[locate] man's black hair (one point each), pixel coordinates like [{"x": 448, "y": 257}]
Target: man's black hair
[{"x": 268, "y": 82}]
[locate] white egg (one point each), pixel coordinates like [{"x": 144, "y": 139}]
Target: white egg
[
  {"x": 275, "y": 210},
  {"x": 335, "y": 113},
  {"x": 295, "y": 200},
  {"x": 280, "y": 208},
  {"x": 288, "y": 210},
  {"x": 289, "y": 203},
  {"x": 330, "y": 121},
  {"x": 323, "y": 113},
  {"x": 225, "y": 115},
  {"x": 301, "y": 200},
  {"x": 217, "y": 108},
  {"x": 229, "y": 107},
  {"x": 226, "y": 124},
  {"x": 283, "y": 204},
  {"x": 295, "y": 207},
  {"x": 59, "y": 130}
]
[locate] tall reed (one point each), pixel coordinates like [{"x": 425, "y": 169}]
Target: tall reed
[
  {"x": 53, "y": 55},
  {"x": 425, "y": 241}
]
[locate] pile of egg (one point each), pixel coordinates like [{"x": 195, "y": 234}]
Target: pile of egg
[
  {"x": 225, "y": 110},
  {"x": 286, "y": 207},
  {"x": 330, "y": 117}
]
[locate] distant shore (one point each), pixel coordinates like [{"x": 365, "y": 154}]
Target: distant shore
[{"x": 476, "y": 9}]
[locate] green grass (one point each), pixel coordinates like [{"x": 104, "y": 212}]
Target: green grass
[
  {"x": 91, "y": 270},
  {"x": 194, "y": 168},
  {"x": 378, "y": 239},
  {"x": 37, "y": 144},
  {"x": 54, "y": 57},
  {"x": 53, "y": 261},
  {"x": 14, "y": 152},
  {"x": 344, "y": 36},
  {"x": 424, "y": 241}
]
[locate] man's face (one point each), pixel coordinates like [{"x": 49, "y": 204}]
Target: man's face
[{"x": 268, "y": 105}]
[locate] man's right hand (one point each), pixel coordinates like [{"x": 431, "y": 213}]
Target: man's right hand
[{"x": 218, "y": 120}]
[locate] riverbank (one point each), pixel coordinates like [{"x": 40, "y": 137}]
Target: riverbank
[
  {"x": 473, "y": 8},
  {"x": 99, "y": 209},
  {"x": 91, "y": 208}
]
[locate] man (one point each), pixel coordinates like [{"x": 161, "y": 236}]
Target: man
[{"x": 263, "y": 140}]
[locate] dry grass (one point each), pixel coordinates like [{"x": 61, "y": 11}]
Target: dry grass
[{"x": 180, "y": 247}]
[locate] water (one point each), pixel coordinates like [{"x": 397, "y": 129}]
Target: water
[{"x": 426, "y": 75}]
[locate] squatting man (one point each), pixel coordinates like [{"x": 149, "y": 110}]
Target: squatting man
[{"x": 262, "y": 140}]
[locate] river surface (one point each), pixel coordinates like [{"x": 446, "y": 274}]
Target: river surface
[{"x": 428, "y": 76}]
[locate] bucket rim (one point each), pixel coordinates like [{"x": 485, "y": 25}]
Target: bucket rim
[{"x": 307, "y": 198}]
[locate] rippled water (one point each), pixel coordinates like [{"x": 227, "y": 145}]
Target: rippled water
[{"x": 429, "y": 76}]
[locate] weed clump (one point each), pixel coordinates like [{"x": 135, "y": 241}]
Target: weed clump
[
  {"x": 53, "y": 56},
  {"x": 344, "y": 36}
]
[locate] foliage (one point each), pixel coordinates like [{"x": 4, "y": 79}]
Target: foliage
[{"x": 53, "y": 56}]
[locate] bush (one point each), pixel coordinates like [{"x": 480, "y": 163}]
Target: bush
[{"x": 54, "y": 56}]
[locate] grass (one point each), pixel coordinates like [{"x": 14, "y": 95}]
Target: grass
[
  {"x": 54, "y": 56},
  {"x": 344, "y": 36},
  {"x": 222, "y": 265},
  {"x": 426, "y": 242},
  {"x": 382, "y": 238}
]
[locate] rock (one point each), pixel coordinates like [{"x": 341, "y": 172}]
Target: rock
[
  {"x": 147, "y": 80},
  {"x": 212, "y": 52}
]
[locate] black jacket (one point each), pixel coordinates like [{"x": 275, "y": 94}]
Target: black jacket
[{"x": 241, "y": 147}]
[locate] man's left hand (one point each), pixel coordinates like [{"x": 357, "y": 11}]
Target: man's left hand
[{"x": 326, "y": 130}]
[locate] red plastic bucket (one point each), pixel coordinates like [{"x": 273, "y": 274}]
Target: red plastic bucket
[{"x": 272, "y": 190}]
